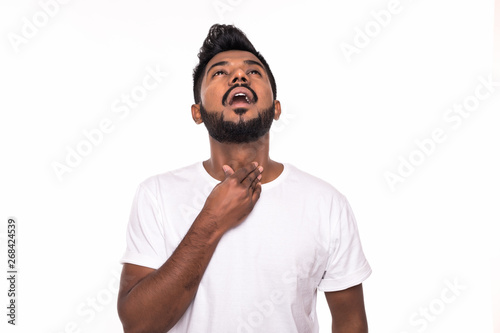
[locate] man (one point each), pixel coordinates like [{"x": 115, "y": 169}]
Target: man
[{"x": 239, "y": 242}]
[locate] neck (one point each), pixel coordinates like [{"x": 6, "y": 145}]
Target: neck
[{"x": 237, "y": 155}]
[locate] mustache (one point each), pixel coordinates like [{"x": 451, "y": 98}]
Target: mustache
[{"x": 226, "y": 95}]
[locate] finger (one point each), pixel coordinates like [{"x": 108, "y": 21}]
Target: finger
[
  {"x": 256, "y": 192},
  {"x": 252, "y": 176},
  {"x": 243, "y": 172},
  {"x": 255, "y": 181},
  {"x": 228, "y": 171}
]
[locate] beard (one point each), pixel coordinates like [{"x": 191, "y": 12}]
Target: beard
[{"x": 241, "y": 132}]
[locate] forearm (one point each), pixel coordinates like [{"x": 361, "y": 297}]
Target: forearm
[
  {"x": 157, "y": 302},
  {"x": 154, "y": 300}
]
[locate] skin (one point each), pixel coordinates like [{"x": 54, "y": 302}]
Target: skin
[
  {"x": 152, "y": 300},
  {"x": 217, "y": 81},
  {"x": 348, "y": 310}
]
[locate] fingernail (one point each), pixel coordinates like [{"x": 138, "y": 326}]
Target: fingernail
[
  {"x": 224, "y": 167},
  {"x": 259, "y": 177},
  {"x": 261, "y": 168}
]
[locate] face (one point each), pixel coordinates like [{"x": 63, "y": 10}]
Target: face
[{"x": 237, "y": 103}]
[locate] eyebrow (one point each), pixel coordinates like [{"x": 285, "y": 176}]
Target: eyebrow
[
  {"x": 225, "y": 63},
  {"x": 253, "y": 62}
]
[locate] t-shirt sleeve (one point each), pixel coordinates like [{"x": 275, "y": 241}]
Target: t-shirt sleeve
[
  {"x": 145, "y": 232},
  {"x": 347, "y": 265}
]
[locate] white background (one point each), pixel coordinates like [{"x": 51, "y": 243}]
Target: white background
[{"x": 348, "y": 122}]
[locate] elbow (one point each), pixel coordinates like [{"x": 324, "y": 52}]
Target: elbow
[
  {"x": 129, "y": 320},
  {"x": 139, "y": 327},
  {"x": 135, "y": 322},
  {"x": 142, "y": 329},
  {"x": 126, "y": 321}
]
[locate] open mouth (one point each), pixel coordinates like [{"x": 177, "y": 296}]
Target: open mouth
[{"x": 241, "y": 97}]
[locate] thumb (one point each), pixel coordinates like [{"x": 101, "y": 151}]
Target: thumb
[{"x": 228, "y": 171}]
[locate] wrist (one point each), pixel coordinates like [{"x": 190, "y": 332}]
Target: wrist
[{"x": 211, "y": 225}]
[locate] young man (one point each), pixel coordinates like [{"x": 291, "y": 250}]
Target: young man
[{"x": 239, "y": 242}]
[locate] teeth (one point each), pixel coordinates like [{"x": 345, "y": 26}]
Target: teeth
[{"x": 242, "y": 94}]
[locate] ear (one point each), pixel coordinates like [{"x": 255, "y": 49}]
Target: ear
[
  {"x": 196, "y": 114},
  {"x": 277, "y": 110}
]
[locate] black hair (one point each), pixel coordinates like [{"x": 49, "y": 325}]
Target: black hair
[{"x": 221, "y": 38}]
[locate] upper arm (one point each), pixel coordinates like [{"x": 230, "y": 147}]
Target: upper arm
[{"x": 348, "y": 310}]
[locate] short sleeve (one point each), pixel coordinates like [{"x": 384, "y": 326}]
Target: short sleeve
[
  {"x": 145, "y": 232},
  {"x": 347, "y": 265}
]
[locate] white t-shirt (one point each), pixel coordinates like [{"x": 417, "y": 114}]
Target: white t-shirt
[{"x": 300, "y": 237}]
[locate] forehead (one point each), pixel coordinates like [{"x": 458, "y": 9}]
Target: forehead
[{"x": 233, "y": 56}]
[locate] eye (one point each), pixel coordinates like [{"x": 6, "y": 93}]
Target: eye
[
  {"x": 219, "y": 72},
  {"x": 254, "y": 71}
]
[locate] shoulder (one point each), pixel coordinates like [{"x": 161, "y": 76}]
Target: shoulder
[
  {"x": 311, "y": 184},
  {"x": 170, "y": 179}
]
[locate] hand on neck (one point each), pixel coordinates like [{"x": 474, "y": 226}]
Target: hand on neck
[{"x": 240, "y": 155}]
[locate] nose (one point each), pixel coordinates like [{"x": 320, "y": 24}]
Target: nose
[{"x": 239, "y": 76}]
